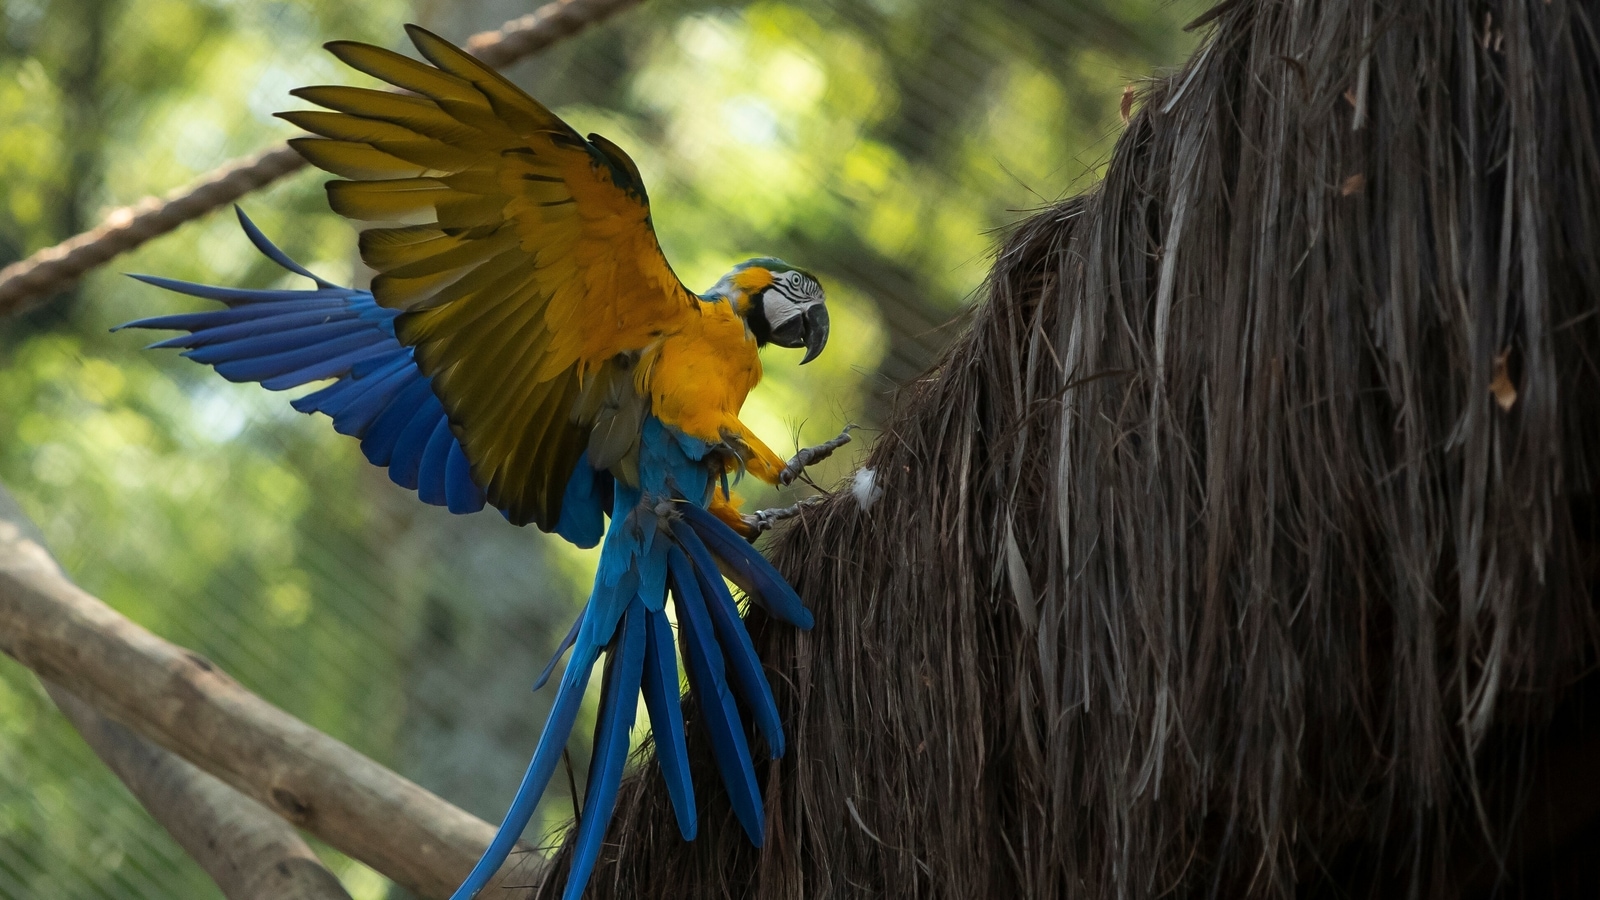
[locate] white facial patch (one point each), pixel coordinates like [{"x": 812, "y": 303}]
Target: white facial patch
[
  {"x": 779, "y": 308},
  {"x": 791, "y": 294}
]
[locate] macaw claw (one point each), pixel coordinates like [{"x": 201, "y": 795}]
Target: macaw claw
[
  {"x": 810, "y": 455},
  {"x": 762, "y": 520}
]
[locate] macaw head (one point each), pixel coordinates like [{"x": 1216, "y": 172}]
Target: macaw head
[{"x": 781, "y": 305}]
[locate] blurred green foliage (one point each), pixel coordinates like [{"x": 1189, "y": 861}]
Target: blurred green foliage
[{"x": 880, "y": 143}]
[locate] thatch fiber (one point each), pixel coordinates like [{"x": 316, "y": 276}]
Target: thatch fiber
[{"x": 1240, "y": 547}]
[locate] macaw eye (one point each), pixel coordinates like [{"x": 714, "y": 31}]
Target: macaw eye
[{"x": 798, "y": 288}]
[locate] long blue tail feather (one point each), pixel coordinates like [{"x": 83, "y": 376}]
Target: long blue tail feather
[
  {"x": 752, "y": 571},
  {"x": 703, "y": 659},
  {"x": 561, "y": 649},
  {"x": 552, "y": 742},
  {"x": 748, "y": 677},
  {"x": 662, "y": 699},
  {"x": 744, "y": 565},
  {"x": 619, "y": 701}
]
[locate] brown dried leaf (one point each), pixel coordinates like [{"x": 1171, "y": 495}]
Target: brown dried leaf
[
  {"x": 1350, "y": 96},
  {"x": 1353, "y": 185},
  {"x": 1492, "y": 39},
  {"x": 1500, "y": 386},
  {"x": 1127, "y": 103}
]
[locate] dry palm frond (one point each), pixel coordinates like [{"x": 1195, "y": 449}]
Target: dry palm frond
[{"x": 1212, "y": 560}]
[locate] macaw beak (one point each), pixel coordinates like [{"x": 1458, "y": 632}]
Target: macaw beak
[{"x": 816, "y": 331}]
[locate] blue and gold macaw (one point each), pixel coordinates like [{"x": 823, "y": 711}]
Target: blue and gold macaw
[{"x": 526, "y": 345}]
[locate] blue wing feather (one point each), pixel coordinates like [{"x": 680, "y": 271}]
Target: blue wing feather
[
  {"x": 401, "y": 405},
  {"x": 287, "y": 338},
  {"x": 271, "y": 251},
  {"x": 355, "y": 412},
  {"x": 292, "y": 368},
  {"x": 247, "y": 300},
  {"x": 263, "y": 322},
  {"x": 588, "y": 496},
  {"x": 461, "y": 494},
  {"x": 336, "y": 396},
  {"x": 405, "y": 464},
  {"x": 282, "y": 338},
  {"x": 430, "y": 480}
]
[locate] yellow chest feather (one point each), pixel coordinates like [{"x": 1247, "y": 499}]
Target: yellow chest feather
[{"x": 697, "y": 377}]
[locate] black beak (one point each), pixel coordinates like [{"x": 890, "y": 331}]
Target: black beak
[{"x": 816, "y": 324}]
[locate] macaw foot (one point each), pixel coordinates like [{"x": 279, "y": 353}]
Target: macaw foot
[
  {"x": 762, "y": 520},
  {"x": 810, "y": 455}
]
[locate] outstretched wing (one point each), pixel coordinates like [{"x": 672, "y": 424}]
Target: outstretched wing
[
  {"x": 287, "y": 338},
  {"x": 376, "y": 392},
  {"x": 534, "y": 271}
]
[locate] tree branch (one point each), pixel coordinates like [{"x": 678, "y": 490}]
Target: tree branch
[
  {"x": 183, "y": 702},
  {"x": 250, "y": 853},
  {"x": 26, "y": 283}
]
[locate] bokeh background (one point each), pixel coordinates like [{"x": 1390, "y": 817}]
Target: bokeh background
[{"x": 884, "y": 144}]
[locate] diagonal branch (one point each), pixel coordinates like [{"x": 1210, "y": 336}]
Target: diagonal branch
[
  {"x": 181, "y": 701},
  {"x": 250, "y": 853},
  {"x": 27, "y": 283}
]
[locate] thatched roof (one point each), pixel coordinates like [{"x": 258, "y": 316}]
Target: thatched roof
[{"x": 1243, "y": 546}]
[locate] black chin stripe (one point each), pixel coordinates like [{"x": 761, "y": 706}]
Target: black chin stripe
[{"x": 756, "y": 318}]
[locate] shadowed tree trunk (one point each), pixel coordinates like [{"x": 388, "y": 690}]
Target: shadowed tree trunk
[{"x": 1245, "y": 544}]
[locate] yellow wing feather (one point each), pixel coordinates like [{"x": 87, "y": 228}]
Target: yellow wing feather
[{"x": 528, "y": 265}]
